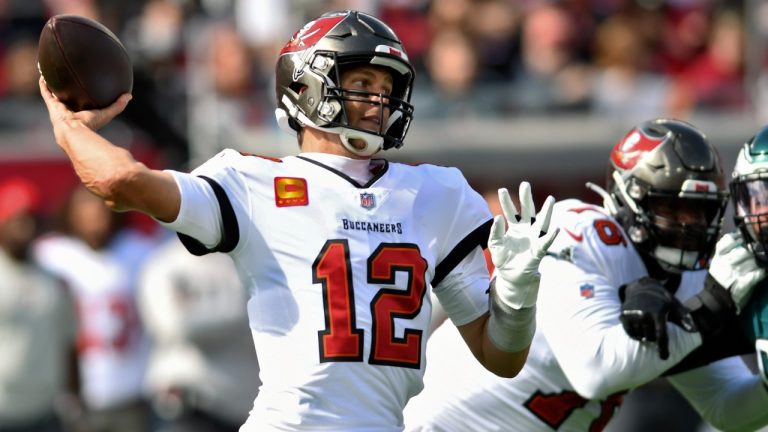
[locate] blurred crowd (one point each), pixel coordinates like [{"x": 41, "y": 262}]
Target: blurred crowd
[
  {"x": 204, "y": 68},
  {"x": 108, "y": 328},
  {"x": 179, "y": 357}
]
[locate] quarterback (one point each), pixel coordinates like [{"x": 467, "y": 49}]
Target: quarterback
[{"x": 339, "y": 251}]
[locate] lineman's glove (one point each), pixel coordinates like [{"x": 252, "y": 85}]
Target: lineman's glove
[
  {"x": 516, "y": 253},
  {"x": 646, "y": 307},
  {"x": 734, "y": 267}
]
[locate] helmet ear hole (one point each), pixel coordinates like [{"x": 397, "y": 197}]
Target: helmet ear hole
[
  {"x": 297, "y": 87},
  {"x": 638, "y": 234}
]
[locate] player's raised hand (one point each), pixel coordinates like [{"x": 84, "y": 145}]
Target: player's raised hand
[
  {"x": 734, "y": 267},
  {"x": 62, "y": 116},
  {"x": 517, "y": 248}
]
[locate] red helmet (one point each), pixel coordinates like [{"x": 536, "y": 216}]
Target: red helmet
[{"x": 308, "y": 78}]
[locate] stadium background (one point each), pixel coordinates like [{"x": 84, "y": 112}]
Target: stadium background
[{"x": 506, "y": 90}]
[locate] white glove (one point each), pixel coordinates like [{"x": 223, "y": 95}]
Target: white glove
[
  {"x": 516, "y": 253},
  {"x": 735, "y": 268}
]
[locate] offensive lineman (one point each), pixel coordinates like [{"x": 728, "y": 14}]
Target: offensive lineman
[
  {"x": 338, "y": 250},
  {"x": 661, "y": 218}
]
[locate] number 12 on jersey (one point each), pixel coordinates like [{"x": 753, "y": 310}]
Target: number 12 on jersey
[{"x": 342, "y": 340}]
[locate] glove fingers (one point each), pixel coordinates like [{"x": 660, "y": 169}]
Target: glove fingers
[
  {"x": 527, "y": 208},
  {"x": 739, "y": 256},
  {"x": 507, "y": 206},
  {"x": 545, "y": 241},
  {"x": 496, "y": 240},
  {"x": 726, "y": 243},
  {"x": 545, "y": 215},
  {"x": 631, "y": 325},
  {"x": 648, "y": 326}
]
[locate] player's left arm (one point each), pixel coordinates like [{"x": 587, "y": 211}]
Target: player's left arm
[
  {"x": 726, "y": 394},
  {"x": 463, "y": 296},
  {"x": 500, "y": 339}
]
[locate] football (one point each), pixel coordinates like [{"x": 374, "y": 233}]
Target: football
[{"x": 84, "y": 64}]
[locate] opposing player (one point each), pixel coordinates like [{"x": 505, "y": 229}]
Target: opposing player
[
  {"x": 749, "y": 190},
  {"x": 660, "y": 220},
  {"x": 339, "y": 251}
]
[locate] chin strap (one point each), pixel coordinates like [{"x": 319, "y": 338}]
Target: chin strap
[{"x": 373, "y": 142}]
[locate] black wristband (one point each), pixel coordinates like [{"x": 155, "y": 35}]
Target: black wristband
[{"x": 712, "y": 308}]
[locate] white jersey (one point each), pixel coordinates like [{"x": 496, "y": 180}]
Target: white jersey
[
  {"x": 339, "y": 276},
  {"x": 581, "y": 362},
  {"x": 112, "y": 346}
]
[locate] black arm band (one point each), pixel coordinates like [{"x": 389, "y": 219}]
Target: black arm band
[{"x": 712, "y": 308}]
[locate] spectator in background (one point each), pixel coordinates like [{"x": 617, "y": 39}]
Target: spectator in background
[
  {"x": 494, "y": 25},
  {"x": 38, "y": 366},
  {"x": 715, "y": 77},
  {"x": 682, "y": 35},
  {"x": 154, "y": 37},
  {"x": 549, "y": 77},
  {"x": 20, "y": 108},
  {"x": 100, "y": 258},
  {"x": 451, "y": 66},
  {"x": 225, "y": 101},
  {"x": 449, "y": 14},
  {"x": 409, "y": 20},
  {"x": 201, "y": 372},
  {"x": 624, "y": 86}
]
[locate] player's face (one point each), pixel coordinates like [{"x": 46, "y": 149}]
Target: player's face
[
  {"x": 682, "y": 223},
  {"x": 753, "y": 204},
  {"x": 89, "y": 218},
  {"x": 682, "y": 210},
  {"x": 17, "y": 234},
  {"x": 368, "y": 112}
]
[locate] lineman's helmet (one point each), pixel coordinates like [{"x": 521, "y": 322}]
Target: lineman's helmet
[{"x": 660, "y": 169}]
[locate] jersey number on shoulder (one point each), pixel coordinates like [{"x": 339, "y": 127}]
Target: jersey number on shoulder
[
  {"x": 342, "y": 340},
  {"x": 554, "y": 408},
  {"x": 609, "y": 232}
]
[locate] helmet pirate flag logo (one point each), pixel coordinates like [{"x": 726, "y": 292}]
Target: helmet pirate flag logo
[{"x": 311, "y": 33}]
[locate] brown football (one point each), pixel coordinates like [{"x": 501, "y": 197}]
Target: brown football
[{"x": 84, "y": 64}]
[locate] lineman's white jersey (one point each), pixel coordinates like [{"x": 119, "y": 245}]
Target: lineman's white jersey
[
  {"x": 339, "y": 277},
  {"x": 581, "y": 362}
]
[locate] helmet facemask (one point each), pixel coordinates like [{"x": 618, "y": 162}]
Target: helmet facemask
[
  {"x": 678, "y": 230},
  {"x": 750, "y": 199},
  {"x": 749, "y": 189}
]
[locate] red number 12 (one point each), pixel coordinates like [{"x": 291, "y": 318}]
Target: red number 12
[{"x": 342, "y": 340}]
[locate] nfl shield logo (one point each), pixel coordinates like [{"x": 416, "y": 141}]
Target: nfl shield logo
[
  {"x": 367, "y": 201},
  {"x": 587, "y": 290}
]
